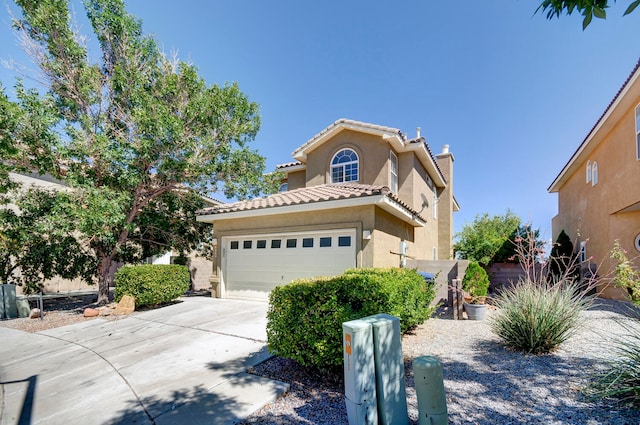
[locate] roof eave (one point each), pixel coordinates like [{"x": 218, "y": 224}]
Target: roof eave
[
  {"x": 427, "y": 160},
  {"x": 381, "y": 201},
  {"x": 569, "y": 167}
]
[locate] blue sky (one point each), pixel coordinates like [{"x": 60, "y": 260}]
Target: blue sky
[{"x": 512, "y": 93}]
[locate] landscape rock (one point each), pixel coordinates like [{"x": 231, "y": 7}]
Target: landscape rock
[
  {"x": 105, "y": 311},
  {"x": 127, "y": 305},
  {"x": 35, "y": 313},
  {"x": 91, "y": 312}
]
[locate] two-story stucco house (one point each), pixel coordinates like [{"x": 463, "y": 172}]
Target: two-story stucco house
[
  {"x": 357, "y": 195},
  {"x": 599, "y": 187}
]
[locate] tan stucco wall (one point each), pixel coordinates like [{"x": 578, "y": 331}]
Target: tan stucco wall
[
  {"x": 296, "y": 180},
  {"x": 445, "y": 208},
  {"x": 592, "y": 213},
  {"x": 373, "y": 153}
]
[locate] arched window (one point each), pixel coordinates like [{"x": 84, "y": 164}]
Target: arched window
[
  {"x": 588, "y": 171},
  {"x": 594, "y": 173},
  {"x": 344, "y": 167}
]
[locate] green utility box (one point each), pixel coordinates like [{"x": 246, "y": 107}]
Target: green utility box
[
  {"x": 8, "y": 307},
  {"x": 432, "y": 403},
  {"x": 359, "y": 373},
  {"x": 390, "y": 383}
]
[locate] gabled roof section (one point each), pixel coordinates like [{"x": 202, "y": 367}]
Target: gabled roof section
[
  {"x": 322, "y": 197},
  {"x": 586, "y": 146},
  {"x": 393, "y": 136},
  {"x": 344, "y": 124}
]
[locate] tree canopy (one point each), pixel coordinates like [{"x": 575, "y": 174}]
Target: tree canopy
[
  {"x": 492, "y": 239},
  {"x": 136, "y": 135},
  {"x": 587, "y": 8}
]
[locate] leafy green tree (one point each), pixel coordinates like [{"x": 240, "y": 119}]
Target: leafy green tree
[
  {"x": 481, "y": 240},
  {"x": 37, "y": 243},
  {"x": 587, "y": 8},
  {"x": 136, "y": 135}
]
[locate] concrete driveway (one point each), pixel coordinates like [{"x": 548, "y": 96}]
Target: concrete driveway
[{"x": 181, "y": 364}]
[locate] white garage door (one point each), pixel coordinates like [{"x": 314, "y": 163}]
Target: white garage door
[{"x": 254, "y": 265}]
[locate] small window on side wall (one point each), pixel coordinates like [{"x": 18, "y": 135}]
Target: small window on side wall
[
  {"x": 638, "y": 132},
  {"x": 583, "y": 251},
  {"x": 588, "y": 170},
  {"x": 393, "y": 172},
  {"x": 594, "y": 173}
]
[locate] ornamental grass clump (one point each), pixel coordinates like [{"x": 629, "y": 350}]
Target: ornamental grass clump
[
  {"x": 621, "y": 379},
  {"x": 536, "y": 317},
  {"x": 539, "y": 313}
]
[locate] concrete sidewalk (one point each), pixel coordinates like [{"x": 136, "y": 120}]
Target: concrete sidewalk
[{"x": 184, "y": 363}]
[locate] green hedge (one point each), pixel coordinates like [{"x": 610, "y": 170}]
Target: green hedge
[
  {"x": 151, "y": 284},
  {"x": 305, "y": 317}
]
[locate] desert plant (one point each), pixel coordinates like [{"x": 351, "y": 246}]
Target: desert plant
[
  {"x": 151, "y": 284},
  {"x": 621, "y": 379},
  {"x": 625, "y": 275},
  {"x": 538, "y": 314},
  {"x": 536, "y": 317},
  {"x": 476, "y": 283}
]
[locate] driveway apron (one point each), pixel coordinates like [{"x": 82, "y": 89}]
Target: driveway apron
[{"x": 183, "y": 363}]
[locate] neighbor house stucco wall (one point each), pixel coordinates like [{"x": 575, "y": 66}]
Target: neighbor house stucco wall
[{"x": 608, "y": 211}]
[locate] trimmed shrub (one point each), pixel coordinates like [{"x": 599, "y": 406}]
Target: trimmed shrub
[
  {"x": 536, "y": 317},
  {"x": 475, "y": 282},
  {"x": 305, "y": 317},
  {"x": 151, "y": 284}
]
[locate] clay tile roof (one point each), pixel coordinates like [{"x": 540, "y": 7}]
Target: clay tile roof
[
  {"x": 309, "y": 195},
  {"x": 288, "y": 165}
]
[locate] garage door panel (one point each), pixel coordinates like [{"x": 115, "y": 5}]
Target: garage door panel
[{"x": 251, "y": 272}]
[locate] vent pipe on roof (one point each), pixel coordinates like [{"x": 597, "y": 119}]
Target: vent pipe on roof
[
  {"x": 417, "y": 132},
  {"x": 445, "y": 149}
]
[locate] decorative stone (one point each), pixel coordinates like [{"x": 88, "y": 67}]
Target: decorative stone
[
  {"x": 91, "y": 312},
  {"x": 35, "y": 313},
  {"x": 105, "y": 311},
  {"x": 126, "y": 305}
]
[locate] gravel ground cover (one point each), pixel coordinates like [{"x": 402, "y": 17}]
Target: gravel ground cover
[{"x": 485, "y": 383}]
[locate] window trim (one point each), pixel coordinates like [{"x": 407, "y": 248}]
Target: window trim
[
  {"x": 393, "y": 183},
  {"x": 638, "y": 132},
  {"x": 583, "y": 251},
  {"x": 435, "y": 203},
  {"x": 342, "y": 166}
]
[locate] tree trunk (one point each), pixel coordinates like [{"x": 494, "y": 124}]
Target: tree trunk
[{"x": 105, "y": 278}]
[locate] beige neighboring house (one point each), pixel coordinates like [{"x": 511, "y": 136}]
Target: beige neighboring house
[
  {"x": 199, "y": 267},
  {"x": 357, "y": 195},
  {"x": 599, "y": 187}
]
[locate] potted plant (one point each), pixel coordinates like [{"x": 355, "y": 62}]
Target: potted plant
[{"x": 475, "y": 286}]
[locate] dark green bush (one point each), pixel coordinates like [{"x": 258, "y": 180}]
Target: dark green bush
[
  {"x": 475, "y": 282},
  {"x": 305, "y": 317},
  {"x": 151, "y": 284}
]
